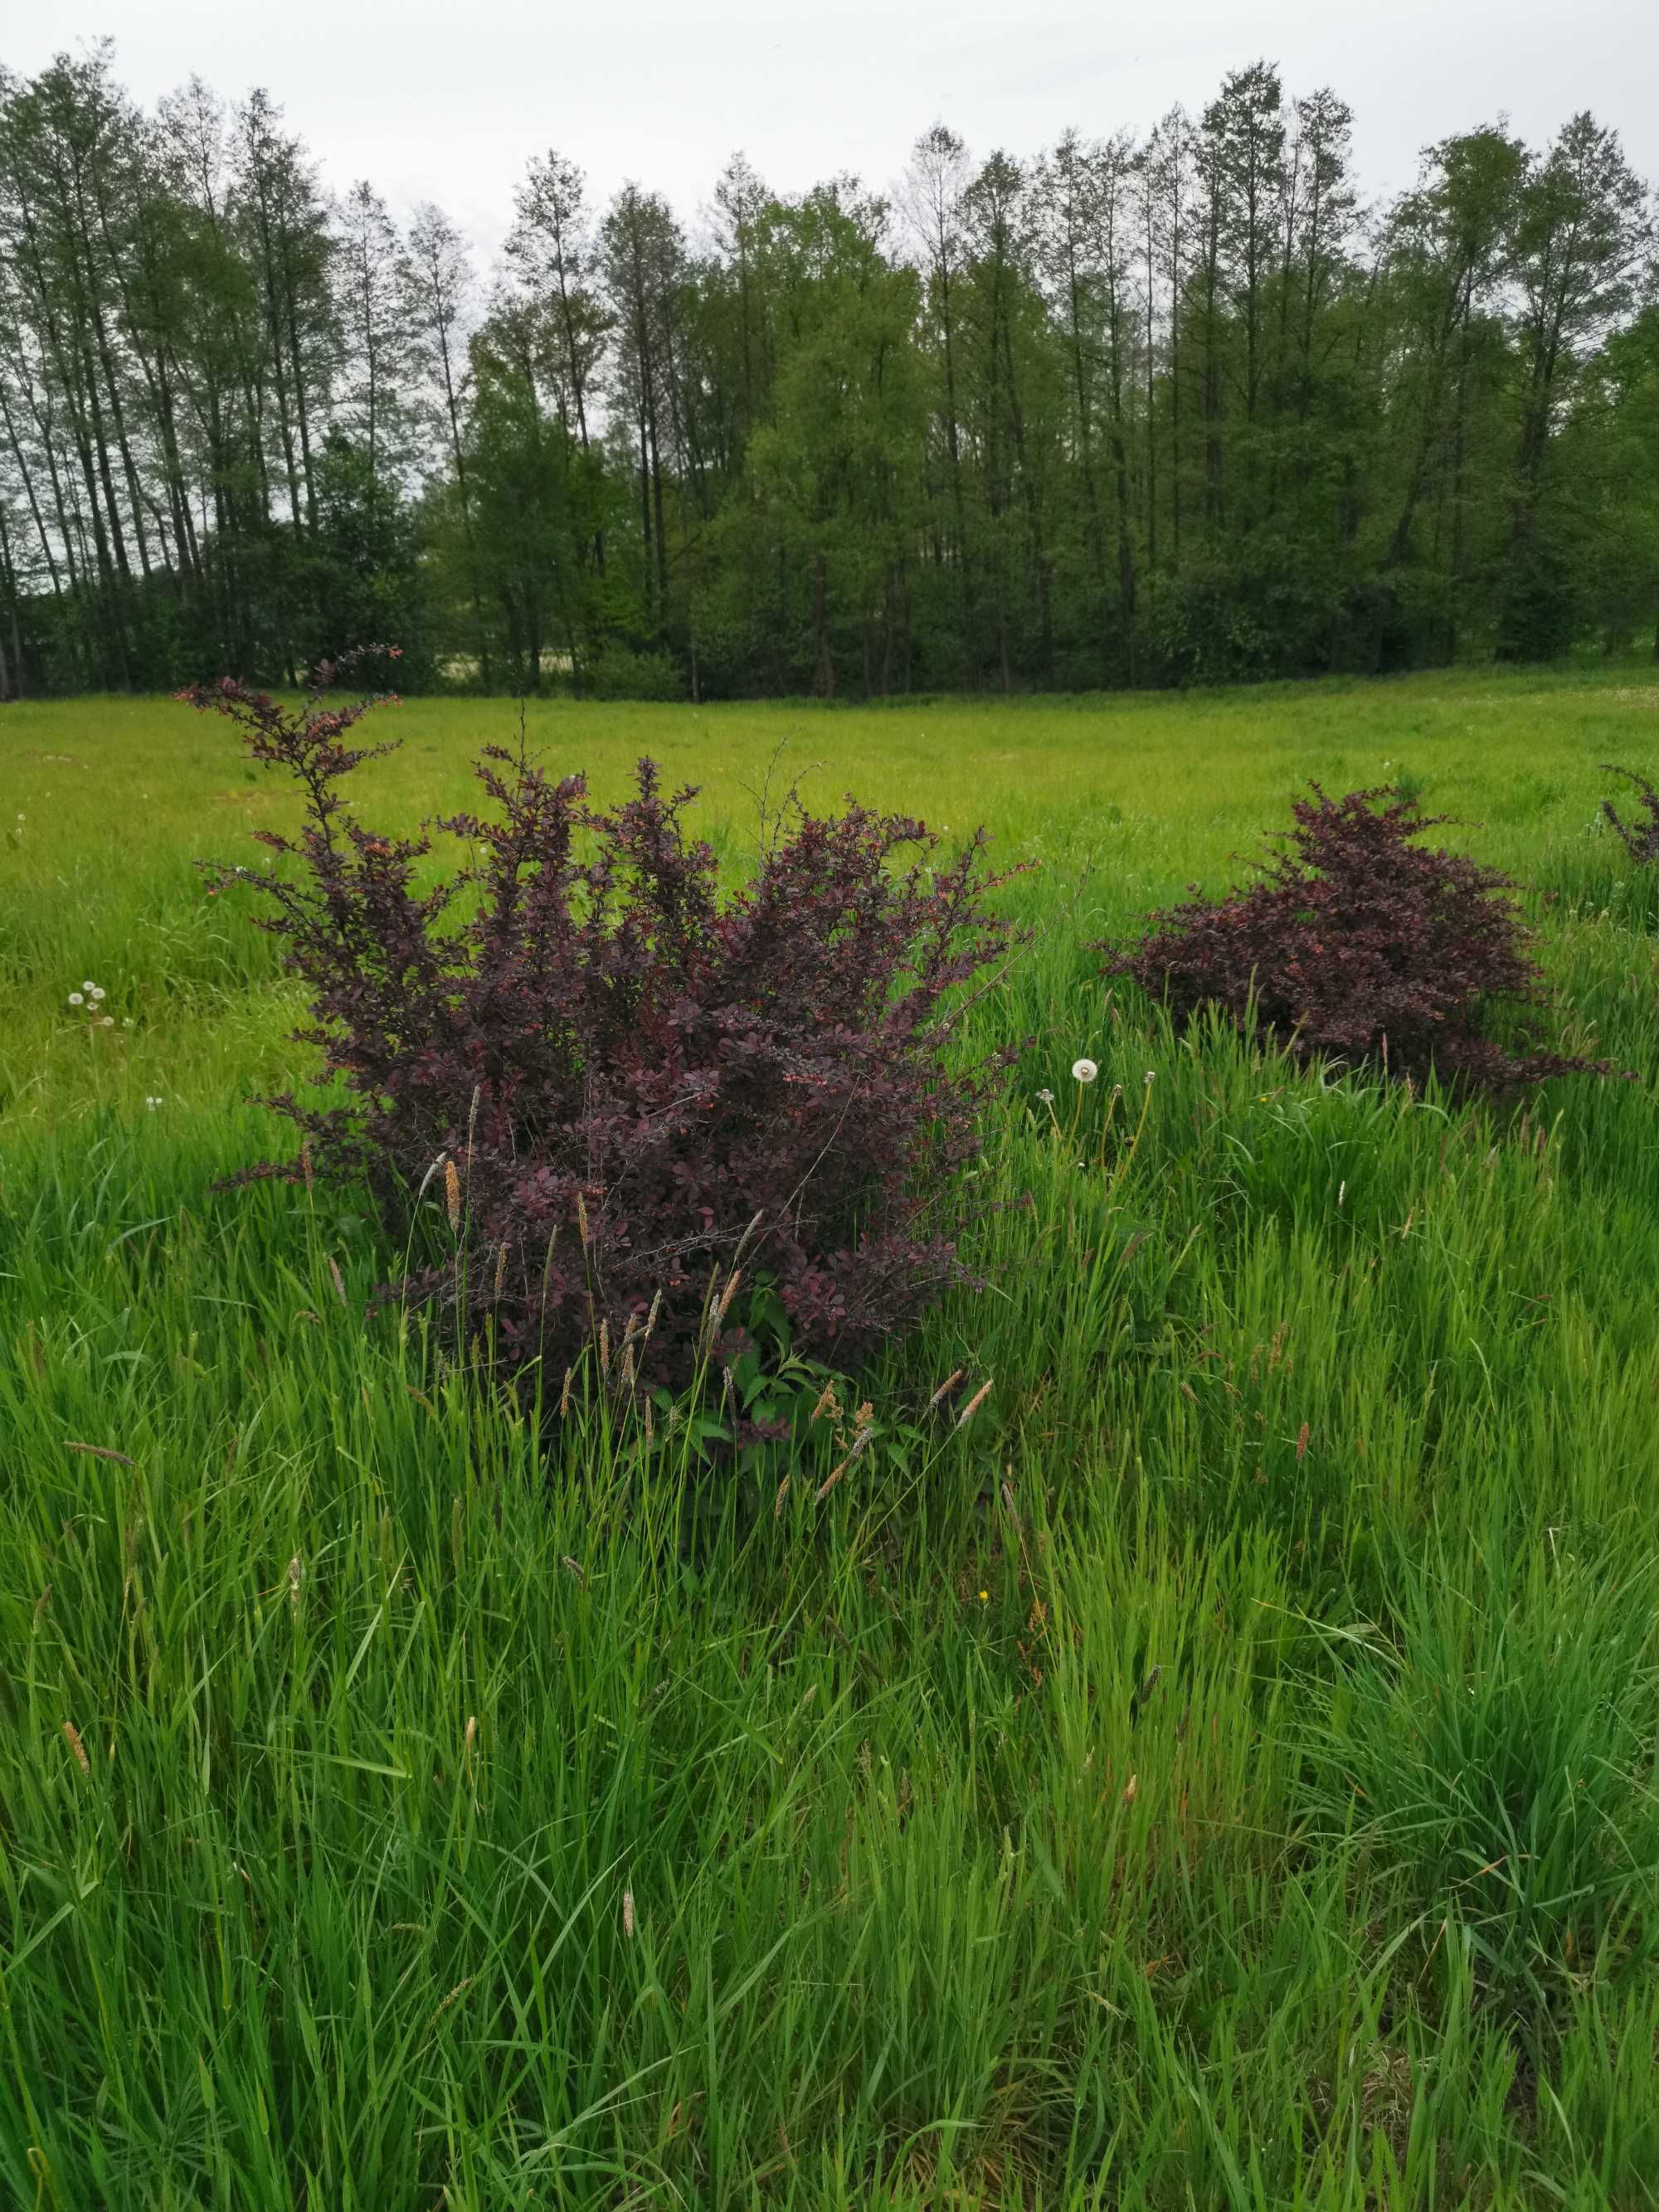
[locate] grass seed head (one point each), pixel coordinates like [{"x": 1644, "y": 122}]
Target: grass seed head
[{"x": 974, "y": 1405}]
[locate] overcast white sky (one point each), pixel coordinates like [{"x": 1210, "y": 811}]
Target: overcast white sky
[{"x": 448, "y": 100}]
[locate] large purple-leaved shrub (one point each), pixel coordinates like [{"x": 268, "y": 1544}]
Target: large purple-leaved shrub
[
  {"x": 623, "y": 1091},
  {"x": 1358, "y": 945}
]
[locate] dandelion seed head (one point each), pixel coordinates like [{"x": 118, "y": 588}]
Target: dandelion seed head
[
  {"x": 1083, "y": 1070},
  {"x": 75, "y": 998},
  {"x": 1047, "y": 1097},
  {"x": 89, "y": 988}
]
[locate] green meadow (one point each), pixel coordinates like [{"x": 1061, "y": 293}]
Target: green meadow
[{"x": 1219, "y": 1771}]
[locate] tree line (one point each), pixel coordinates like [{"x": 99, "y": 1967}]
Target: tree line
[{"x": 1150, "y": 410}]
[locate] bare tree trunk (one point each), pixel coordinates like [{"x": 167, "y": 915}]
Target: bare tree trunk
[
  {"x": 645, "y": 493},
  {"x": 303, "y": 413},
  {"x": 953, "y": 447},
  {"x": 10, "y": 673},
  {"x": 824, "y": 663},
  {"x": 28, "y": 489}
]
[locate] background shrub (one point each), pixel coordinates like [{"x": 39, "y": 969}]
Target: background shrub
[
  {"x": 1357, "y": 944},
  {"x": 622, "y": 1092},
  {"x": 615, "y": 671}
]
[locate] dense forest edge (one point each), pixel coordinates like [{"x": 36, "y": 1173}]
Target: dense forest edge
[{"x": 1182, "y": 408}]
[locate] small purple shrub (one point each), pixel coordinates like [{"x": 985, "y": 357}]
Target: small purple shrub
[
  {"x": 621, "y": 1089},
  {"x": 1359, "y": 945},
  {"x": 1641, "y": 837}
]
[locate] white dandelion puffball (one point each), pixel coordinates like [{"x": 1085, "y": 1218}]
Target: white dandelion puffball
[
  {"x": 1047, "y": 1097},
  {"x": 96, "y": 993},
  {"x": 108, "y": 1022},
  {"x": 1083, "y": 1070},
  {"x": 75, "y": 998},
  {"x": 88, "y": 987}
]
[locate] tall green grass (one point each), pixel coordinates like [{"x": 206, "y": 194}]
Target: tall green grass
[{"x": 1219, "y": 1772}]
